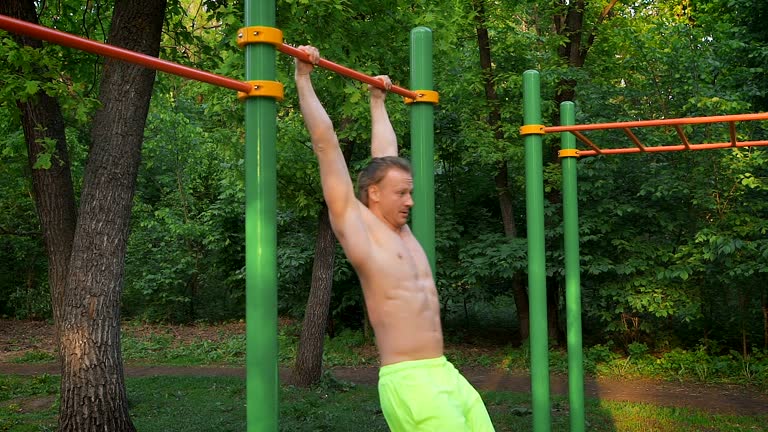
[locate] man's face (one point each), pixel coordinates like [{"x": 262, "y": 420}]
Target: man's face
[{"x": 393, "y": 194}]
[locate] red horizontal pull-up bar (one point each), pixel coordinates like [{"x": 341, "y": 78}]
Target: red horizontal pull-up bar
[
  {"x": 58, "y": 37},
  {"x": 347, "y": 72},
  {"x": 65, "y": 39},
  {"x": 663, "y": 122},
  {"x": 676, "y": 123}
]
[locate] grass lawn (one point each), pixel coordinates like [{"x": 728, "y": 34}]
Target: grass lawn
[
  {"x": 205, "y": 404},
  {"x": 189, "y": 404}
]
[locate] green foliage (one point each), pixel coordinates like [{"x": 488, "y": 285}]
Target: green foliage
[
  {"x": 183, "y": 253},
  {"x": 652, "y": 252},
  {"x": 597, "y": 354},
  {"x": 698, "y": 365},
  {"x": 23, "y": 276},
  {"x": 673, "y": 246}
]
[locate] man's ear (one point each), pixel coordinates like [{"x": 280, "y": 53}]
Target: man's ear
[{"x": 374, "y": 194}]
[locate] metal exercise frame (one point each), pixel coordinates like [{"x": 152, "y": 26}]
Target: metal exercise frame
[
  {"x": 532, "y": 132},
  {"x": 260, "y": 94}
]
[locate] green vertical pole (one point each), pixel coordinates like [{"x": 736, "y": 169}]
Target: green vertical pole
[
  {"x": 572, "y": 272},
  {"x": 537, "y": 274},
  {"x": 261, "y": 230},
  {"x": 422, "y": 143}
]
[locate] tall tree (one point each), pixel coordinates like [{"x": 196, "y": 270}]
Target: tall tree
[
  {"x": 571, "y": 22},
  {"x": 92, "y": 386},
  {"x": 501, "y": 177},
  {"x": 309, "y": 353},
  {"x": 87, "y": 258},
  {"x": 43, "y": 124}
]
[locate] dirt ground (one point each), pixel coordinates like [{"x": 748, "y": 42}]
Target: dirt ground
[{"x": 18, "y": 337}]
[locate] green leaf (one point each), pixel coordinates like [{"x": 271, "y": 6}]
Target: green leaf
[{"x": 43, "y": 161}]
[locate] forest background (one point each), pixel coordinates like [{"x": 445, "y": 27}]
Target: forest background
[{"x": 674, "y": 246}]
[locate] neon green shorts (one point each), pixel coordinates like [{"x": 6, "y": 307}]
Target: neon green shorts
[{"x": 430, "y": 395}]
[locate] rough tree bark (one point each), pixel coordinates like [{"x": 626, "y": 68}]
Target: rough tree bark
[
  {"x": 501, "y": 178},
  {"x": 765, "y": 319},
  {"x": 92, "y": 385},
  {"x": 309, "y": 355}
]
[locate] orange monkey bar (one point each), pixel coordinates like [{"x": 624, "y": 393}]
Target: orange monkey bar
[
  {"x": 676, "y": 123},
  {"x": 347, "y": 72},
  {"x": 65, "y": 39},
  {"x": 61, "y": 38}
]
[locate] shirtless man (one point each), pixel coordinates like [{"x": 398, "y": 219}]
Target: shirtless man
[{"x": 419, "y": 389}]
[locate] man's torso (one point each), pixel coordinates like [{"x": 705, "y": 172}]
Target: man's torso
[{"x": 400, "y": 294}]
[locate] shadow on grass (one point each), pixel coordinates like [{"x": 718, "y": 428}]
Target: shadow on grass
[{"x": 512, "y": 411}]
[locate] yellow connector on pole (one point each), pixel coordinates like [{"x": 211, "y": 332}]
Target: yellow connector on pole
[
  {"x": 430, "y": 96},
  {"x": 567, "y": 153},
  {"x": 532, "y": 129},
  {"x": 259, "y": 34},
  {"x": 261, "y": 88}
]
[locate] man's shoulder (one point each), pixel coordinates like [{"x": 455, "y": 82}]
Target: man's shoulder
[{"x": 366, "y": 235}]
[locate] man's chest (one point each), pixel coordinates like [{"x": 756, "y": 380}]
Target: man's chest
[{"x": 403, "y": 253}]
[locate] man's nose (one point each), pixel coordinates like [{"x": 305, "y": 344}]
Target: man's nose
[{"x": 409, "y": 201}]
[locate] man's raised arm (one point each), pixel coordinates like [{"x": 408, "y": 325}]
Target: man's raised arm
[
  {"x": 337, "y": 186},
  {"x": 383, "y": 138},
  {"x": 316, "y": 119}
]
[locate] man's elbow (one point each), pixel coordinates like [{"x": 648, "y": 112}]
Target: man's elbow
[
  {"x": 321, "y": 148},
  {"x": 324, "y": 143}
]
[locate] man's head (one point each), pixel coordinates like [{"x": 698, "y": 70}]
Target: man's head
[{"x": 385, "y": 186}]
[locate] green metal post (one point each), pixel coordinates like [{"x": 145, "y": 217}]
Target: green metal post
[
  {"x": 261, "y": 230},
  {"x": 537, "y": 273},
  {"x": 572, "y": 272},
  {"x": 422, "y": 143}
]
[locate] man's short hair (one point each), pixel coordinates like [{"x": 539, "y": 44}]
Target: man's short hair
[{"x": 375, "y": 172}]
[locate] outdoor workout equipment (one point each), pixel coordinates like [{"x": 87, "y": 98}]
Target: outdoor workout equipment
[
  {"x": 532, "y": 131},
  {"x": 260, "y": 93}
]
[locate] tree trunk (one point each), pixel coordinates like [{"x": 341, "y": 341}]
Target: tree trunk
[
  {"x": 520, "y": 295},
  {"x": 555, "y": 331},
  {"x": 93, "y": 394},
  {"x": 765, "y": 327},
  {"x": 576, "y": 47},
  {"x": 53, "y": 192},
  {"x": 573, "y": 53},
  {"x": 764, "y": 304},
  {"x": 309, "y": 355},
  {"x": 501, "y": 179}
]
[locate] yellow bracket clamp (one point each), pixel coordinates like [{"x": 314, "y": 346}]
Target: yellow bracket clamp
[
  {"x": 424, "y": 96},
  {"x": 533, "y": 129},
  {"x": 263, "y": 89},
  {"x": 567, "y": 153},
  {"x": 259, "y": 34}
]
